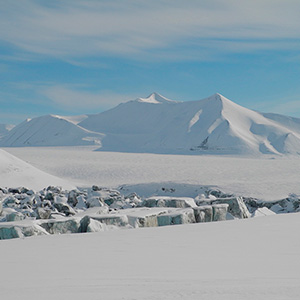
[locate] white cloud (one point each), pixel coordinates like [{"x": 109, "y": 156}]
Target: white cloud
[
  {"x": 78, "y": 100},
  {"x": 142, "y": 28}
]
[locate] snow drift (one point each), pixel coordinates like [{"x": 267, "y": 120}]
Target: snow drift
[{"x": 14, "y": 172}]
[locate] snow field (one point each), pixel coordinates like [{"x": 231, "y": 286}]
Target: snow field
[{"x": 266, "y": 177}]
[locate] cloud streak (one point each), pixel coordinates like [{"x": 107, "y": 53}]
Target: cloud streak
[
  {"x": 76, "y": 100},
  {"x": 138, "y": 29}
]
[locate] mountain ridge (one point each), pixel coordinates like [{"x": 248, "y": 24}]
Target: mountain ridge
[{"x": 156, "y": 124}]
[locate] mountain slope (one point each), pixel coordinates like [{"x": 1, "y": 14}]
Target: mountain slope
[
  {"x": 4, "y": 129},
  {"x": 50, "y": 130},
  {"x": 14, "y": 173},
  {"x": 212, "y": 125}
]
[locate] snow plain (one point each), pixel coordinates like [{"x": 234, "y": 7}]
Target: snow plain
[
  {"x": 242, "y": 259},
  {"x": 267, "y": 177}
]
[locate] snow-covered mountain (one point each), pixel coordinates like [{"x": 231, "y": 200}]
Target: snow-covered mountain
[
  {"x": 213, "y": 125},
  {"x": 156, "y": 124},
  {"x": 14, "y": 172},
  {"x": 4, "y": 129},
  {"x": 51, "y": 130}
]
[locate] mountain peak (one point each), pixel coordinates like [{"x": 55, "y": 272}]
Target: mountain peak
[
  {"x": 218, "y": 97},
  {"x": 155, "y": 98},
  {"x": 219, "y": 100}
]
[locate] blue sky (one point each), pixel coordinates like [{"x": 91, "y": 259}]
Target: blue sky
[{"x": 75, "y": 57}]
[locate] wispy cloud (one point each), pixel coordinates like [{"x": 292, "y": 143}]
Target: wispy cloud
[
  {"x": 68, "y": 29},
  {"x": 14, "y": 118},
  {"x": 280, "y": 104},
  {"x": 74, "y": 99},
  {"x": 69, "y": 97},
  {"x": 291, "y": 108}
]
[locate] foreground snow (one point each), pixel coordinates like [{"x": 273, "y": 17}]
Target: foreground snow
[{"x": 242, "y": 259}]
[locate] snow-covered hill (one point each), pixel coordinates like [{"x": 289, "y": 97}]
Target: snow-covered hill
[
  {"x": 50, "y": 130},
  {"x": 213, "y": 125},
  {"x": 14, "y": 172},
  {"x": 156, "y": 124}
]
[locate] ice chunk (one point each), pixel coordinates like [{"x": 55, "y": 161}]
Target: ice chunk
[
  {"x": 236, "y": 207},
  {"x": 144, "y": 217},
  {"x": 94, "y": 202},
  {"x": 262, "y": 212},
  {"x": 203, "y": 213},
  {"x": 14, "y": 216},
  {"x": 178, "y": 202},
  {"x": 61, "y": 226},
  {"x": 20, "y": 231},
  {"x": 220, "y": 212},
  {"x": 180, "y": 216},
  {"x": 87, "y": 224},
  {"x": 111, "y": 219},
  {"x": 43, "y": 213}
]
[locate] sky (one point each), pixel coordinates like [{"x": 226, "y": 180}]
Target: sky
[{"x": 86, "y": 56}]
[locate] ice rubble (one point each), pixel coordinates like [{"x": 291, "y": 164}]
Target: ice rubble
[{"x": 53, "y": 210}]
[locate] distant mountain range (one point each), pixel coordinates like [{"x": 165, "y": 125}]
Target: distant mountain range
[{"x": 155, "y": 124}]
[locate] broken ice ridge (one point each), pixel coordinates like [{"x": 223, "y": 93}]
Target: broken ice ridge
[{"x": 25, "y": 212}]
